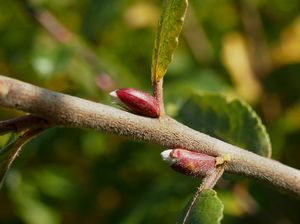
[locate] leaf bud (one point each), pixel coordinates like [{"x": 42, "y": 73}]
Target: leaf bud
[
  {"x": 136, "y": 101},
  {"x": 190, "y": 162}
]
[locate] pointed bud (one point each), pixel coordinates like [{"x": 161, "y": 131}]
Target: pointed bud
[
  {"x": 189, "y": 162},
  {"x": 166, "y": 156},
  {"x": 136, "y": 101}
]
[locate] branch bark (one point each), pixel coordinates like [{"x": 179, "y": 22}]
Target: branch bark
[
  {"x": 74, "y": 112},
  {"x": 158, "y": 94},
  {"x": 22, "y": 123}
]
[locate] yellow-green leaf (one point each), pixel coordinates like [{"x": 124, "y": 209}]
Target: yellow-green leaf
[{"x": 169, "y": 27}]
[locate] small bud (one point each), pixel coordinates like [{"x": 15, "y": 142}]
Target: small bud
[
  {"x": 223, "y": 159},
  {"x": 136, "y": 101},
  {"x": 189, "y": 162},
  {"x": 166, "y": 156}
]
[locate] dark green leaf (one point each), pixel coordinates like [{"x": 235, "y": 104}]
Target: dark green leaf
[
  {"x": 231, "y": 120},
  {"x": 208, "y": 209},
  {"x": 166, "y": 41}
]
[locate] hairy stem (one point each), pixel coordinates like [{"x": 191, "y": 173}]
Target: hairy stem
[
  {"x": 158, "y": 94},
  {"x": 22, "y": 123},
  {"x": 207, "y": 183},
  {"x": 74, "y": 112}
]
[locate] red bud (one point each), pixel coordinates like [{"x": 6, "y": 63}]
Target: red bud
[
  {"x": 189, "y": 162},
  {"x": 137, "y": 101}
]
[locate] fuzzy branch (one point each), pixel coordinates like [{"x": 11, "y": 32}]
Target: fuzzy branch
[
  {"x": 22, "y": 123},
  {"x": 74, "y": 112}
]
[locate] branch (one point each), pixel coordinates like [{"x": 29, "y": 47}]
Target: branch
[
  {"x": 22, "y": 123},
  {"x": 196, "y": 38},
  {"x": 258, "y": 52},
  {"x": 207, "y": 183},
  {"x": 74, "y": 112},
  {"x": 48, "y": 21},
  {"x": 61, "y": 33}
]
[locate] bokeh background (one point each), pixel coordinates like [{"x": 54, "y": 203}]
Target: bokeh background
[{"x": 248, "y": 48}]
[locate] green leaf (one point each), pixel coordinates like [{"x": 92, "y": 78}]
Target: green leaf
[
  {"x": 230, "y": 120},
  {"x": 169, "y": 27},
  {"x": 10, "y": 152},
  {"x": 208, "y": 209}
]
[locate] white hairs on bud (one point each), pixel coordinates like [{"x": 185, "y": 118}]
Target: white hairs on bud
[{"x": 166, "y": 156}]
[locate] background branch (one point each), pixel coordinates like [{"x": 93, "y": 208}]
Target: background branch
[
  {"x": 62, "y": 34},
  {"x": 252, "y": 24},
  {"x": 79, "y": 113}
]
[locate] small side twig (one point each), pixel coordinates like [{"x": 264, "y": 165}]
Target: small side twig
[
  {"x": 195, "y": 36},
  {"x": 258, "y": 52},
  {"x": 207, "y": 183},
  {"x": 22, "y": 123},
  {"x": 48, "y": 22},
  {"x": 61, "y": 33}
]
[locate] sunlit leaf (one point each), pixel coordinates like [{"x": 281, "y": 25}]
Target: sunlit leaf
[
  {"x": 10, "y": 152},
  {"x": 231, "y": 120},
  {"x": 166, "y": 41},
  {"x": 208, "y": 209}
]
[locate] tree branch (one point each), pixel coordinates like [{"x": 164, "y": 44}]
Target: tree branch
[
  {"x": 207, "y": 183},
  {"x": 61, "y": 33},
  {"x": 79, "y": 113},
  {"x": 22, "y": 123}
]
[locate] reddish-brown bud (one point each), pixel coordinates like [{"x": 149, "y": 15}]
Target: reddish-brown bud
[
  {"x": 189, "y": 162},
  {"x": 137, "y": 101}
]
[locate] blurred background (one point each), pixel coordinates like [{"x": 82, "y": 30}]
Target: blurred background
[{"x": 248, "y": 48}]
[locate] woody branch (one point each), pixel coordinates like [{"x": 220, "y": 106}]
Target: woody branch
[{"x": 69, "y": 111}]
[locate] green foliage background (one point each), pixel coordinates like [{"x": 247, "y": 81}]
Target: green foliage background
[{"x": 80, "y": 176}]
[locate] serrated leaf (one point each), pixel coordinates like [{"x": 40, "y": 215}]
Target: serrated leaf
[
  {"x": 208, "y": 209},
  {"x": 169, "y": 27},
  {"x": 230, "y": 120},
  {"x": 10, "y": 152}
]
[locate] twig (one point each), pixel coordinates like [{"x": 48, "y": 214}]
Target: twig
[
  {"x": 61, "y": 33},
  {"x": 158, "y": 94},
  {"x": 22, "y": 123},
  {"x": 259, "y": 55},
  {"x": 207, "y": 183},
  {"x": 196, "y": 38},
  {"x": 48, "y": 22},
  {"x": 79, "y": 113}
]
